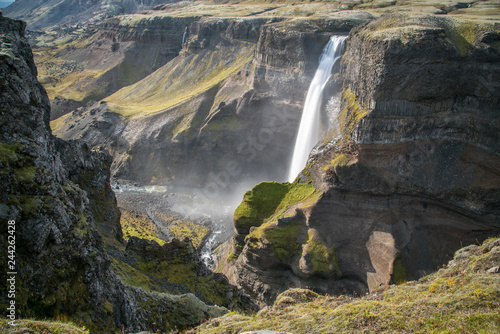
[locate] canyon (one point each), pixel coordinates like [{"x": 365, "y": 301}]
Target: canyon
[{"x": 206, "y": 98}]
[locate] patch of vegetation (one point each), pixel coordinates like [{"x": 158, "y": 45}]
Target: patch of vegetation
[
  {"x": 399, "y": 275},
  {"x": 57, "y": 123},
  {"x": 187, "y": 229},
  {"x": 264, "y": 205},
  {"x": 350, "y": 115},
  {"x": 38, "y": 326},
  {"x": 180, "y": 275},
  {"x": 136, "y": 224},
  {"x": 8, "y": 153},
  {"x": 321, "y": 256},
  {"x": 181, "y": 80},
  {"x": 462, "y": 297},
  {"x": 260, "y": 203},
  {"x": 340, "y": 160},
  {"x": 462, "y": 34},
  {"x": 272, "y": 200},
  {"x": 132, "y": 276},
  {"x": 285, "y": 239}
]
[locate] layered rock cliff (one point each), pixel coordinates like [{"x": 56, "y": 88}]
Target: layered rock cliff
[
  {"x": 58, "y": 197},
  {"x": 224, "y": 111},
  {"x": 83, "y": 64},
  {"x": 412, "y": 176}
]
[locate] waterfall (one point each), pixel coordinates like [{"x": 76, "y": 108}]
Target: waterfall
[
  {"x": 184, "y": 35},
  {"x": 308, "y": 134}
]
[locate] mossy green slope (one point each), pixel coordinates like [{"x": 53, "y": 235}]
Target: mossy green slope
[
  {"x": 35, "y": 326},
  {"x": 182, "y": 79},
  {"x": 257, "y": 217},
  {"x": 269, "y": 201},
  {"x": 462, "y": 297}
]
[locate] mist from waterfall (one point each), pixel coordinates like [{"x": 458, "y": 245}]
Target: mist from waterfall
[{"x": 308, "y": 135}]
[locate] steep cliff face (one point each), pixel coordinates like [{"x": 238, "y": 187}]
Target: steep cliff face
[
  {"x": 224, "y": 111},
  {"x": 80, "y": 65},
  {"x": 412, "y": 177},
  {"x": 59, "y": 197}
]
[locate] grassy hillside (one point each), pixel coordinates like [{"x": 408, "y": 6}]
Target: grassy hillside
[
  {"x": 181, "y": 80},
  {"x": 462, "y": 297}
]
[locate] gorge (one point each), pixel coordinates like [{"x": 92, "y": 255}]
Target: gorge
[{"x": 198, "y": 102}]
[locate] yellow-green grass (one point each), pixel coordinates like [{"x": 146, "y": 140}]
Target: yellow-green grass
[
  {"x": 57, "y": 123},
  {"x": 460, "y": 298},
  {"x": 38, "y": 326},
  {"x": 264, "y": 205},
  {"x": 187, "y": 229},
  {"x": 339, "y": 160},
  {"x": 135, "y": 224},
  {"x": 181, "y": 80},
  {"x": 272, "y": 200}
]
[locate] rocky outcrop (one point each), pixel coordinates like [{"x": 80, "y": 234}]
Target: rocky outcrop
[
  {"x": 413, "y": 176},
  {"x": 224, "y": 111},
  {"x": 57, "y": 195}
]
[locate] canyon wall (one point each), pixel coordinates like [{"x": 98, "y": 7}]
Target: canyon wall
[
  {"x": 413, "y": 176},
  {"x": 57, "y": 196},
  {"x": 225, "y": 110}
]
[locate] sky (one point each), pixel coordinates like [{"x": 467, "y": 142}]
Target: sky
[{"x": 5, "y": 3}]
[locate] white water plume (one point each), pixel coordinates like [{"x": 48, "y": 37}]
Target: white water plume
[{"x": 308, "y": 134}]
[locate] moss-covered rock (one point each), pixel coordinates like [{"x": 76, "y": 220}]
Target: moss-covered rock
[
  {"x": 58, "y": 195},
  {"x": 462, "y": 296}
]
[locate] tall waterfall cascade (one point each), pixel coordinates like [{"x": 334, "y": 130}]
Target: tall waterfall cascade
[
  {"x": 184, "y": 35},
  {"x": 308, "y": 135}
]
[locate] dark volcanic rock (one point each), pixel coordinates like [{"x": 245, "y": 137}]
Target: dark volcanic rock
[
  {"x": 416, "y": 172},
  {"x": 59, "y": 197}
]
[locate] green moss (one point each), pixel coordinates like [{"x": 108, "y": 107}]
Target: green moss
[
  {"x": 260, "y": 203},
  {"x": 298, "y": 195},
  {"x": 399, "y": 275},
  {"x": 132, "y": 276},
  {"x": 323, "y": 258},
  {"x": 108, "y": 307},
  {"x": 264, "y": 205},
  {"x": 135, "y": 224},
  {"x": 38, "y": 326},
  {"x": 456, "y": 299},
  {"x": 228, "y": 123},
  {"x": 231, "y": 256},
  {"x": 350, "y": 115},
  {"x": 320, "y": 257},
  {"x": 272, "y": 200},
  {"x": 26, "y": 175},
  {"x": 340, "y": 160},
  {"x": 285, "y": 239},
  {"x": 187, "y": 229},
  {"x": 8, "y": 153},
  {"x": 30, "y": 205},
  {"x": 462, "y": 34}
]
